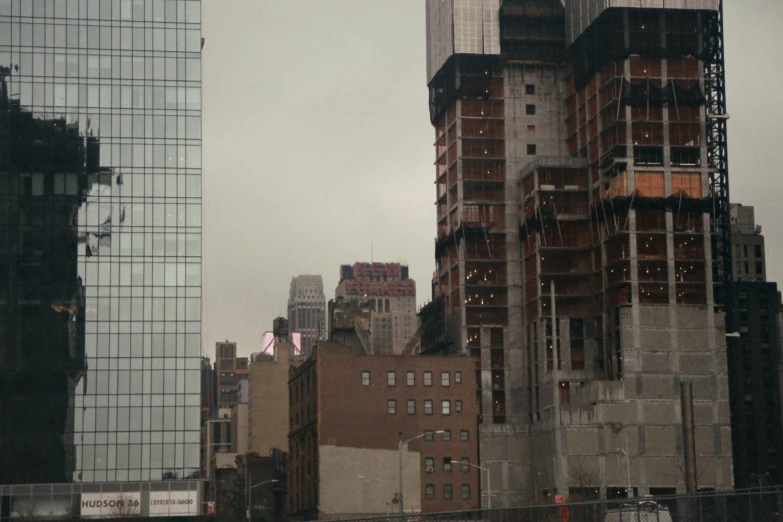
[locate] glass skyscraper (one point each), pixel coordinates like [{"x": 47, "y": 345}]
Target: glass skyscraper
[{"x": 100, "y": 240}]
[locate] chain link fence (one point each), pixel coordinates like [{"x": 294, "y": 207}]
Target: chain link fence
[{"x": 751, "y": 505}]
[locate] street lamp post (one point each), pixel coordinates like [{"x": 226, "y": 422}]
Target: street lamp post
[
  {"x": 250, "y": 490},
  {"x": 489, "y": 485},
  {"x": 627, "y": 467},
  {"x": 387, "y": 490},
  {"x": 399, "y": 449}
]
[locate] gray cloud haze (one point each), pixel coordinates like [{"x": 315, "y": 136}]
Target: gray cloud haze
[{"x": 317, "y": 144}]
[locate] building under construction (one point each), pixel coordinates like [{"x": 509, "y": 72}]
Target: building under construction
[{"x": 582, "y": 207}]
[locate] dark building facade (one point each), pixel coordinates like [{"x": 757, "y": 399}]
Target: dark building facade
[
  {"x": 208, "y": 391},
  {"x": 267, "y": 477},
  {"x": 757, "y": 423},
  {"x": 757, "y": 419},
  {"x": 101, "y": 242},
  {"x": 44, "y": 170},
  {"x": 229, "y": 370}
]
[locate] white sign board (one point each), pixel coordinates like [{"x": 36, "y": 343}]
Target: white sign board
[
  {"x": 173, "y": 503},
  {"x": 110, "y": 505}
]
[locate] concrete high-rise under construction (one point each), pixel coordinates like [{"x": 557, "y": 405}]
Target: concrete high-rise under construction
[
  {"x": 581, "y": 176},
  {"x": 307, "y": 309}
]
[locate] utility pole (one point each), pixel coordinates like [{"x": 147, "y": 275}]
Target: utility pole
[
  {"x": 688, "y": 436},
  {"x": 558, "y": 468},
  {"x": 399, "y": 450}
]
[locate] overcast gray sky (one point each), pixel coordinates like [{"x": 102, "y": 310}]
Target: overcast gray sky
[{"x": 317, "y": 144}]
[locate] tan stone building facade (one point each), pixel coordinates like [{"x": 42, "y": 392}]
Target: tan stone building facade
[
  {"x": 392, "y": 295},
  {"x": 349, "y": 412},
  {"x": 268, "y": 402}
]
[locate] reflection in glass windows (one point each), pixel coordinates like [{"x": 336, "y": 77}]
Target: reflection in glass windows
[{"x": 100, "y": 240}]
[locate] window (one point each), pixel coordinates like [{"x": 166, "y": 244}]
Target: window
[
  {"x": 411, "y": 378},
  {"x": 464, "y": 435},
  {"x": 427, "y": 406},
  {"x": 465, "y": 491},
  {"x": 427, "y": 378},
  {"x": 392, "y": 406},
  {"x": 446, "y": 464},
  {"x": 429, "y": 435},
  {"x": 447, "y": 493},
  {"x": 365, "y": 378},
  {"x": 429, "y": 465},
  {"x": 745, "y": 250},
  {"x": 746, "y": 267},
  {"x": 445, "y": 379},
  {"x": 445, "y": 407},
  {"x": 736, "y": 251},
  {"x": 464, "y": 465},
  {"x": 446, "y": 436},
  {"x": 530, "y": 89},
  {"x": 458, "y": 377},
  {"x": 411, "y": 407},
  {"x": 757, "y": 250},
  {"x": 531, "y": 149},
  {"x": 759, "y": 268},
  {"x": 531, "y": 131},
  {"x": 391, "y": 378},
  {"x": 429, "y": 491},
  {"x": 530, "y": 110}
]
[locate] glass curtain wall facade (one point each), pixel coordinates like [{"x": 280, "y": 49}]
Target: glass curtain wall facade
[{"x": 100, "y": 240}]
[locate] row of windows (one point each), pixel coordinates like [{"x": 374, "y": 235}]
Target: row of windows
[
  {"x": 73, "y": 36},
  {"x": 448, "y": 493},
  {"x": 171, "y": 11},
  {"x": 429, "y": 465},
  {"x": 464, "y": 435},
  {"x": 49, "y": 95},
  {"x": 40, "y": 66},
  {"x": 410, "y": 378},
  {"x": 757, "y": 251},
  {"x": 759, "y": 267},
  {"x": 445, "y": 406}
]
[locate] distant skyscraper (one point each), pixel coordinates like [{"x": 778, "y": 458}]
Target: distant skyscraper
[
  {"x": 100, "y": 248},
  {"x": 229, "y": 371},
  {"x": 393, "y": 295},
  {"x": 307, "y": 309}
]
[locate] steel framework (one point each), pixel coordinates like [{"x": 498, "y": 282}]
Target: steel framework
[{"x": 718, "y": 162}]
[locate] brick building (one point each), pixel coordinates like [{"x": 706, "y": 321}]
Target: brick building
[{"x": 349, "y": 411}]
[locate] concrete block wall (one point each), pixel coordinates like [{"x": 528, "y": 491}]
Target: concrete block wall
[{"x": 646, "y": 417}]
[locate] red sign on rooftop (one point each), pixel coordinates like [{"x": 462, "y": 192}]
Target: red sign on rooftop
[{"x": 375, "y": 270}]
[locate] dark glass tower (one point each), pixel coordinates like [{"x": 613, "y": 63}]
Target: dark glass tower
[{"x": 100, "y": 240}]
